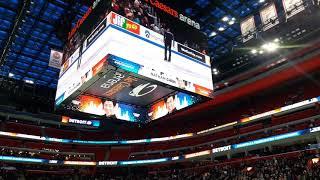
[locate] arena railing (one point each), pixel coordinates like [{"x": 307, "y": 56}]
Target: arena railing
[
  {"x": 232, "y": 147},
  {"x": 278, "y": 111},
  {"x": 249, "y": 135}
]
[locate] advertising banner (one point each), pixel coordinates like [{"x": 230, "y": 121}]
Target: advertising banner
[
  {"x": 55, "y": 59},
  {"x": 269, "y": 16},
  {"x": 247, "y": 27},
  {"x": 292, "y": 7},
  {"x": 90, "y": 123}
]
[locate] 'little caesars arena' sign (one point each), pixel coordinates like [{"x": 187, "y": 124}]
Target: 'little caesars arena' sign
[{"x": 174, "y": 13}]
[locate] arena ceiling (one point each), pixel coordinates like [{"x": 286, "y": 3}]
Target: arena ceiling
[{"x": 29, "y": 29}]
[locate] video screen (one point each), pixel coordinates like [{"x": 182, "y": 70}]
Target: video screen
[
  {"x": 134, "y": 53},
  {"x": 123, "y": 87},
  {"x": 107, "y": 108},
  {"x": 171, "y": 104},
  {"x": 163, "y": 19}
]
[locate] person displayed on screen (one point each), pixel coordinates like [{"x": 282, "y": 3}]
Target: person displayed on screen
[
  {"x": 168, "y": 42},
  {"x": 170, "y": 104},
  {"x": 110, "y": 109}
]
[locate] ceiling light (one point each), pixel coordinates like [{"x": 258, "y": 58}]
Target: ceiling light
[
  {"x": 213, "y": 33},
  {"x": 233, "y": 19},
  {"x": 231, "y": 22},
  {"x": 225, "y": 19},
  {"x": 261, "y": 52},
  {"x": 277, "y": 40},
  {"x": 214, "y": 69},
  {"x": 29, "y": 81},
  {"x": 215, "y": 72},
  {"x": 221, "y": 29},
  {"x": 11, "y": 74},
  {"x": 254, "y": 51},
  {"x": 261, "y": 1}
]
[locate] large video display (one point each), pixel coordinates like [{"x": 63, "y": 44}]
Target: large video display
[{"x": 138, "y": 53}]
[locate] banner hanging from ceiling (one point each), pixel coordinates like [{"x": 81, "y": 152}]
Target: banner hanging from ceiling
[
  {"x": 293, "y": 7},
  {"x": 269, "y": 17},
  {"x": 55, "y": 59},
  {"x": 247, "y": 28}
]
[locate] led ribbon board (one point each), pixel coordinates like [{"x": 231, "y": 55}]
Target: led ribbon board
[{"x": 162, "y": 160}]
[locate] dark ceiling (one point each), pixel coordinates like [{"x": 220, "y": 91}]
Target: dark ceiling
[{"x": 29, "y": 29}]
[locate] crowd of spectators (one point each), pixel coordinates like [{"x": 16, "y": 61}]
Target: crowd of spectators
[
  {"x": 47, "y": 154},
  {"x": 300, "y": 167},
  {"x": 142, "y": 13}
]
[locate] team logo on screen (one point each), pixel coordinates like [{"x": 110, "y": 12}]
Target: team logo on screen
[
  {"x": 142, "y": 90},
  {"x": 147, "y": 33}
]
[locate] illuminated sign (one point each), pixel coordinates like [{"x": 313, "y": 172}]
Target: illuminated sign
[
  {"x": 282, "y": 109},
  {"x": 134, "y": 141},
  {"x": 218, "y": 127},
  {"x": 93, "y": 123},
  {"x": 163, "y": 7},
  {"x": 107, "y": 163},
  {"x": 125, "y": 23},
  {"x": 315, "y": 129},
  {"x": 53, "y": 161},
  {"x": 221, "y": 149},
  {"x": 21, "y": 159},
  {"x": 268, "y": 139},
  {"x": 175, "y": 158},
  {"x": 80, "y": 163},
  {"x": 148, "y": 161},
  {"x": 192, "y": 53},
  {"x": 197, "y": 154}
]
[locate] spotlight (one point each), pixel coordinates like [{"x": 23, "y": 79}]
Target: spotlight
[
  {"x": 11, "y": 74},
  {"x": 225, "y": 18},
  {"x": 249, "y": 169},
  {"x": 213, "y": 33},
  {"x": 221, "y": 29},
  {"x": 29, "y": 81},
  {"x": 231, "y": 22},
  {"x": 254, "y": 51},
  {"x": 215, "y": 71},
  {"x": 315, "y": 160},
  {"x": 270, "y": 47}
]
